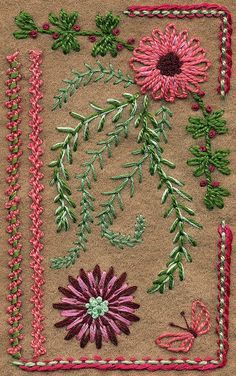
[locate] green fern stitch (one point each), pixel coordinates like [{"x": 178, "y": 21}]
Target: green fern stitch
[
  {"x": 153, "y": 132},
  {"x": 120, "y": 240},
  {"x": 97, "y": 157},
  {"x": 65, "y": 211},
  {"x": 64, "y": 31},
  {"x": 90, "y": 75},
  {"x": 205, "y": 160},
  {"x": 149, "y": 137}
]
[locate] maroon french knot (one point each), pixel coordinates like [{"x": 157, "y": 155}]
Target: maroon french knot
[
  {"x": 76, "y": 27},
  {"x": 120, "y": 47},
  {"x": 169, "y": 64},
  {"x": 46, "y": 26},
  {"x": 203, "y": 183},
  {"x": 33, "y": 33},
  {"x": 92, "y": 38},
  {"x": 55, "y": 35}
]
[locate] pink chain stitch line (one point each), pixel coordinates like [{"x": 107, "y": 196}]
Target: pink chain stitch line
[
  {"x": 12, "y": 204},
  {"x": 120, "y": 363},
  {"x": 36, "y": 207}
]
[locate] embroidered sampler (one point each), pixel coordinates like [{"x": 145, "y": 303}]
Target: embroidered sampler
[{"x": 118, "y": 167}]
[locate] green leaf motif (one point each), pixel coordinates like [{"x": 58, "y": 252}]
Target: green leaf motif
[
  {"x": 65, "y": 30},
  {"x": 206, "y": 160}
]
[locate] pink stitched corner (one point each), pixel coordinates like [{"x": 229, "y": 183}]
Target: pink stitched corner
[
  {"x": 225, "y": 31},
  {"x": 12, "y": 204},
  {"x": 36, "y": 206},
  {"x": 208, "y": 363}
]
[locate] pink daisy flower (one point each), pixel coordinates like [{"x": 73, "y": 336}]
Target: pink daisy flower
[
  {"x": 169, "y": 65},
  {"x": 97, "y": 306}
]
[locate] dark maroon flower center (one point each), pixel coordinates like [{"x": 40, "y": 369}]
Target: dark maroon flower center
[{"x": 169, "y": 64}]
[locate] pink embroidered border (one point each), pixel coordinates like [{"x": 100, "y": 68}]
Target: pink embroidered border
[
  {"x": 36, "y": 206},
  {"x": 198, "y": 11},
  {"x": 223, "y": 266}
]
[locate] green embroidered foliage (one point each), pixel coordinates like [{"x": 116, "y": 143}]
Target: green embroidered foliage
[
  {"x": 149, "y": 136},
  {"x": 92, "y": 74},
  {"x": 65, "y": 213},
  {"x": 120, "y": 240},
  {"x": 108, "y": 214},
  {"x": 65, "y": 31},
  {"x": 205, "y": 160},
  {"x": 84, "y": 229}
]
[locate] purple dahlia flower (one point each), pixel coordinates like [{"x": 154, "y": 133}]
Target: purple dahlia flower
[{"x": 97, "y": 306}]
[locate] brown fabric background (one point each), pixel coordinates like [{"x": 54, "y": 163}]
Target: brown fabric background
[{"x": 144, "y": 261}]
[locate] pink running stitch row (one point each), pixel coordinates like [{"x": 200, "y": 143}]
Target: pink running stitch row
[
  {"x": 12, "y": 205},
  {"x": 198, "y": 11},
  {"x": 120, "y": 363},
  {"x": 36, "y": 206}
]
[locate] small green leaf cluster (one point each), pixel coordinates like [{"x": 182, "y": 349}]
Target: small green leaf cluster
[
  {"x": 206, "y": 160},
  {"x": 65, "y": 30}
]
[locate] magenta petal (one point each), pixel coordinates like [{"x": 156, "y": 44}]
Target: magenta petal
[
  {"x": 117, "y": 284},
  {"x": 98, "y": 337},
  {"x": 65, "y": 322},
  {"x": 109, "y": 276},
  {"x": 84, "y": 340},
  {"x": 75, "y": 284},
  {"x": 65, "y": 306},
  {"x": 73, "y": 332},
  {"x": 67, "y": 292},
  {"x": 97, "y": 273},
  {"x": 125, "y": 292},
  {"x": 112, "y": 335},
  {"x": 124, "y": 328}
]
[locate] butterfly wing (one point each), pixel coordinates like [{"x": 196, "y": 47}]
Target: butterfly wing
[
  {"x": 201, "y": 322},
  {"x": 176, "y": 342}
]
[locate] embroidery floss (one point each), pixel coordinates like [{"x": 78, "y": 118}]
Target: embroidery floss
[
  {"x": 64, "y": 30},
  {"x": 121, "y": 363},
  {"x": 97, "y": 306},
  {"x": 183, "y": 341},
  {"x": 198, "y": 11},
  {"x": 36, "y": 206},
  {"x": 205, "y": 159},
  {"x": 13, "y": 104},
  {"x": 169, "y": 65}
]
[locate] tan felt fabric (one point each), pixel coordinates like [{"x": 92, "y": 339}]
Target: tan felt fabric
[{"x": 143, "y": 262}]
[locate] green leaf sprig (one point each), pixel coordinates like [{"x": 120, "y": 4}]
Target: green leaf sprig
[
  {"x": 64, "y": 30},
  {"x": 65, "y": 210},
  {"x": 91, "y": 74},
  {"x": 206, "y": 160},
  {"x": 149, "y": 136}
]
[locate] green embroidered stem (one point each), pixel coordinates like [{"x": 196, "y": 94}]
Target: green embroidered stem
[
  {"x": 108, "y": 214},
  {"x": 120, "y": 240},
  {"x": 205, "y": 160},
  {"x": 66, "y": 30},
  {"x": 150, "y": 137},
  {"x": 87, "y": 198},
  {"x": 65, "y": 211},
  {"x": 92, "y": 74},
  {"x": 84, "y": 229}
]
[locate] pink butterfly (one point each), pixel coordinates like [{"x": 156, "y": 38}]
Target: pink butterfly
[{"x": 200, "y": 324}]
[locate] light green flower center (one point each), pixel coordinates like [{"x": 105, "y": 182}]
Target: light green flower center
[{"x": 97, "y": 307}]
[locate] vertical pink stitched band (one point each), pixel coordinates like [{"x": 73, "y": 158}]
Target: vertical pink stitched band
[
  {"x": 36, "y": 208},
  {"x": 12, "y": 204}
]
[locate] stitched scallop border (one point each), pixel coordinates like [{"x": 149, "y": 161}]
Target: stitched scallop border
[
  {"x": 198, "y": 11},
  {"x": 223, "y": 267}
]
